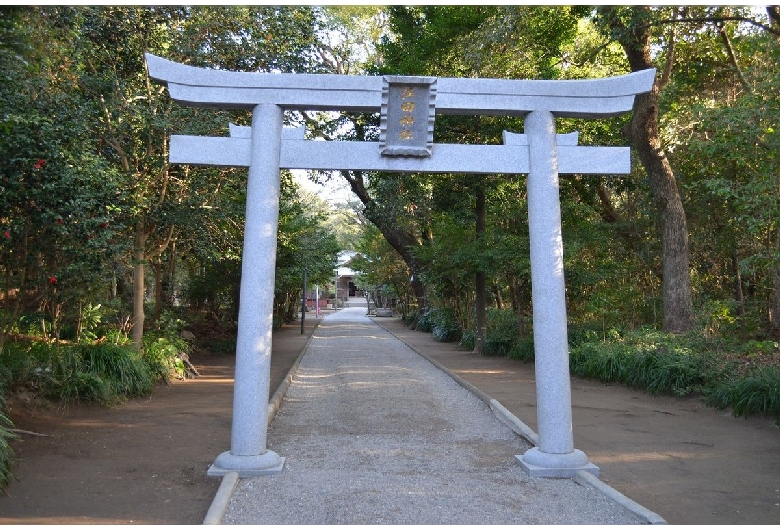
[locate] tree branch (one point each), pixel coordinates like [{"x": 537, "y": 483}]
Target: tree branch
[
  {"x": 667, "y": 73},
  {"x": 774, "y": 14},
  {"x": 162, "y": 246},
  {"x": 732, "y": 56},
  {"x": 701, "y": 20}
]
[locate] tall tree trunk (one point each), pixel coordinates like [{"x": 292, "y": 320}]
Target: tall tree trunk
[
  {"x": 163, "y": 282},
  {"x": 643, "y": 133},
  {"x": 774, "y": 314},
  {"x": 518, "y": 292},
  {"x": 168, "y": 286},
  {"x": 497, "y": 294},
  {"x": 738, "y": 291},
  {"x": 139, "y": 289},
  {"x": 775, "y": 310},
  {"x": 479, "y": 279},
  {"x": 157, "y": 266}
]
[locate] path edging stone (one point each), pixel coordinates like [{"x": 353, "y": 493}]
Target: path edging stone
[
  {"x": 648, "y": 517},
  {"x": 229, "y": 482},
  {"x": 276, "y": 400},
  {"x": 222, "y": 498}
]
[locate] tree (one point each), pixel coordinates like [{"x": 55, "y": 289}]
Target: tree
[
  {"x": 60, "y": 204},
  {"x": 305, "y": 244},
  {"x": 703, "y": 39},
  {"x": 631, "y": 28},
  {"x": 722, "y": 138},
  {"x": 136, "y": 115}
]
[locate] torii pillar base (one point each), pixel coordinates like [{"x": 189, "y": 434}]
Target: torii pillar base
[
  {"x": 268, "y": 463},
  {"x": 552, "y": 465}
]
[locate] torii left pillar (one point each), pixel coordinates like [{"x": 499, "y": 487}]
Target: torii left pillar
[{"x": 248, "y": 453}]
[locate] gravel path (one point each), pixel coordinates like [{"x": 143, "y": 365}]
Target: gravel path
[{"x": 375, "y": 434}]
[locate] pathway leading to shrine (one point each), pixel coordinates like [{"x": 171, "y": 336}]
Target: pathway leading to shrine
[{"x": 373, "y": 433}]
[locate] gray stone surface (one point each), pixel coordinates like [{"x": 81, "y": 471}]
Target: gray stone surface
[
  {"x": 375, "y": 434},
  {"x": 585, "y": 98},
  {"x": 366, "y": 156},
  {"x": 555, "y": 456},
  {"x": 248, "y": 453}
]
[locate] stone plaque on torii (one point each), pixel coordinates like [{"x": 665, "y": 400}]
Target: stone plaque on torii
[{"x": 408, "y": 106}]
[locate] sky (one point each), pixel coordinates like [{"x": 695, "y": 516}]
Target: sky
[{"x": 334, "y": 191}]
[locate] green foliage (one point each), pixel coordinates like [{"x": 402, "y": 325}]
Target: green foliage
[
  {"x": 758, "y": 392},
  {"x": 683, "y": 365},
  {"x": 425, "y": 323},
  {"x": 468, "y": 339},
  {"x": 162, "y": 355},
  {"x": 60, "y": 204},
  {"x": 502, "y": 337},
  {"x": 382, "y": 271},
  {"x": 433, "y": 30},
  {"x": 6, "y": 436},
  {"x": 502, "y": 332},
  {"x": 657, "y": 362},
  {"x": 101, "y": 372},
  {"x": 303, "y": 242},
  {"x": 124, "y": 368},
  {"x": 444, "y": 326},
  {"x": 522, "y": 350}
]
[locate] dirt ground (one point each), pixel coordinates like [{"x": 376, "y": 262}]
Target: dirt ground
[{"x": 145, "y": 462}]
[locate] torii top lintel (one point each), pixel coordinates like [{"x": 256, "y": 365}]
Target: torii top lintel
[{"x": 590, "y": 98}]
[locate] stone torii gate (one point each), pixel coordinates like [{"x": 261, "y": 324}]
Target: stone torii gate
[{"x": 408, "y": 106}]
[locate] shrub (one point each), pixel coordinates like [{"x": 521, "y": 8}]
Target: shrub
[
  {"x": 120, "y": 366},
  {"x": 162, "y": 356},
  {"x": 425, "y": 322},
  {"x": 755, "y": 393},
  {"x": 468, "y": 339},
  {"x": 579, "y": 334},
  {"x": 6, "y": 453},
  {"x": 657, "y": 362},
  {"x": 99, "y": 373},
  {"x": 671, "y": 372},
  {"x": 77, "y": 385},
  {"x": 501, "y": 336},
  {"x": 606, "y": 362},
  {"x": 445, "y": 326},
  {"x": 502, "y": 332},
  {"x": 16, "y": 363},
  {"x": 522, "y": 350}
]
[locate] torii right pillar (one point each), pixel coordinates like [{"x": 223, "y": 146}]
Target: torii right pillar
[{"x": 555, "y": 456}]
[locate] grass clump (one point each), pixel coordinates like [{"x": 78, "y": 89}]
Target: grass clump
[
  {"x": 104, "y": 372},
  {"x": 162, "y": 355},
  {"x": 501, "y": 333},
  {"x": 425, "y": 322},
  {"x": 658, "y": 362},
  {"x": 743, "y": 375},
  {"x": 502, "y": 336},
  {"x": 757, "y": 392}
]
